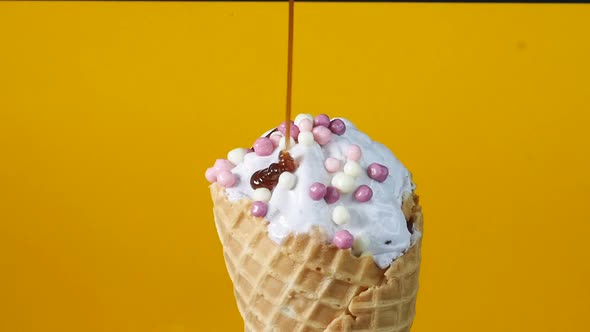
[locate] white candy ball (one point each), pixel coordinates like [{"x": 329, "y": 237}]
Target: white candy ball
[
  {"x": 236, "y": 156},
  {"x": 302, "y": 116},
  {"x": 360, "y": 244},
  {"x": 261, "y": 194},
  {"x": 344, "y": 182},
  {"x": 352, "y": 168},
  {"x": 340, "y": 215},
  {"x": 306, "y": 138},
  {"x": 282, "y": 143},
  {"x": 287, "y": 180}
]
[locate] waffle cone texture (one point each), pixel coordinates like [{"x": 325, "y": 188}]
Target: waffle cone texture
[{"x": 307, "y": 284}]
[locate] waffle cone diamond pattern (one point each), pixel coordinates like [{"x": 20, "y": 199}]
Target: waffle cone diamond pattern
[{"x": 305, "y": 284}]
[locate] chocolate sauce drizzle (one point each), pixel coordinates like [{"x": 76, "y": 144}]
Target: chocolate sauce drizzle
[{"x": 269, "y": 177}]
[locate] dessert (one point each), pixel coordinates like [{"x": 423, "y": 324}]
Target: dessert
[{"x": 320, "y": 233}]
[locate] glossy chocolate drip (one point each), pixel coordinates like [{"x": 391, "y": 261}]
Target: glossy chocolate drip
[{"x": 269, "y": 177}]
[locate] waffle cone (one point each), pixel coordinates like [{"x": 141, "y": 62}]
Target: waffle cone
[{"x": 306, "y": 284}]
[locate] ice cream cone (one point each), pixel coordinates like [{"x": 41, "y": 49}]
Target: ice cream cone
[{"x": 307, "y": 284}]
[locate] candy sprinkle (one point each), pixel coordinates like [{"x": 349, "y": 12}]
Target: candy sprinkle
[
  {"x": 317, "y": 191},
  {"x": 332, "y": 165},
  {"x": 226, "y": 179},
  {"x": 261, "y": 194},
  {"x": 322, "y": 135},
  {"x": 263, "y": 146},
  {"x": 306, "y": 125},
  {"x": 294, "y": 129},
  {"x": 353, "y": 152},
  {"x": 343, "y": 239},
  {"x": 363, "y": 193},
  {"x": 322, "y": 120},
  {"x": 337, "y": 126},
  {"x": 340, "y": 215},
  {"x": 344, "y": 182},
  {"x": 211, "y": 174},
  {"x": 332, "y": 195},
  {"x": 377, "y": 172},
  {"x": 287, "y": 180},
  {"x": 352, "y": 168},
  {"x": 259, "y": 209}
]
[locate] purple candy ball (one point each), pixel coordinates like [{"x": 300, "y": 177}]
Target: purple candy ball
[
  {"x": 317, "y": 191},
  {"x": 259, "y": 209},
  {"x": 332, "y": 195},
  {"x": 322, "y": 120},
  {"x": 377, "y": 172},
  {"x": 343, "y": 239},
  {"x": 363, "y": 193},
  {"x": 294, "y": 129},
  {"x": 337, "y": 126}
]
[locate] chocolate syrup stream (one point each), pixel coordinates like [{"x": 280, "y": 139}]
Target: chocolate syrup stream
[
  {"x": 289, "y": 74},
  {"x": 269, "y": 177}
]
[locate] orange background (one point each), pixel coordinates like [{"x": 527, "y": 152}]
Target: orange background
[{"x": 110, "y": 113}]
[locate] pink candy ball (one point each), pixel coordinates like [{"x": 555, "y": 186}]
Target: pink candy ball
[
  {"x": 317, "y": 191},
  {"x": 343, "y": 239},
  {"x": 337, "y": 126},
  {"x": 332, "y": 195},
  {"x": 223, "y": 165},
  {"x": 275, "y": 139},
  {"x": 259, "y": 209},
  {"x": 332, "y": 165},
  {"x": 211, "y": 174},
  {"x": 322, "y": 120},
  {"x": 263, "y": 146},
  {"x": 305, "y": 125},
  {"x": 294, "y": 129},
  {"x": 322, "y": 135},
  {"x": 226, "y": 179},
  {"x": 353, "y": 152},
  {"x": 377, "y": 172},
  {"x": 363, "y": 193}
]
